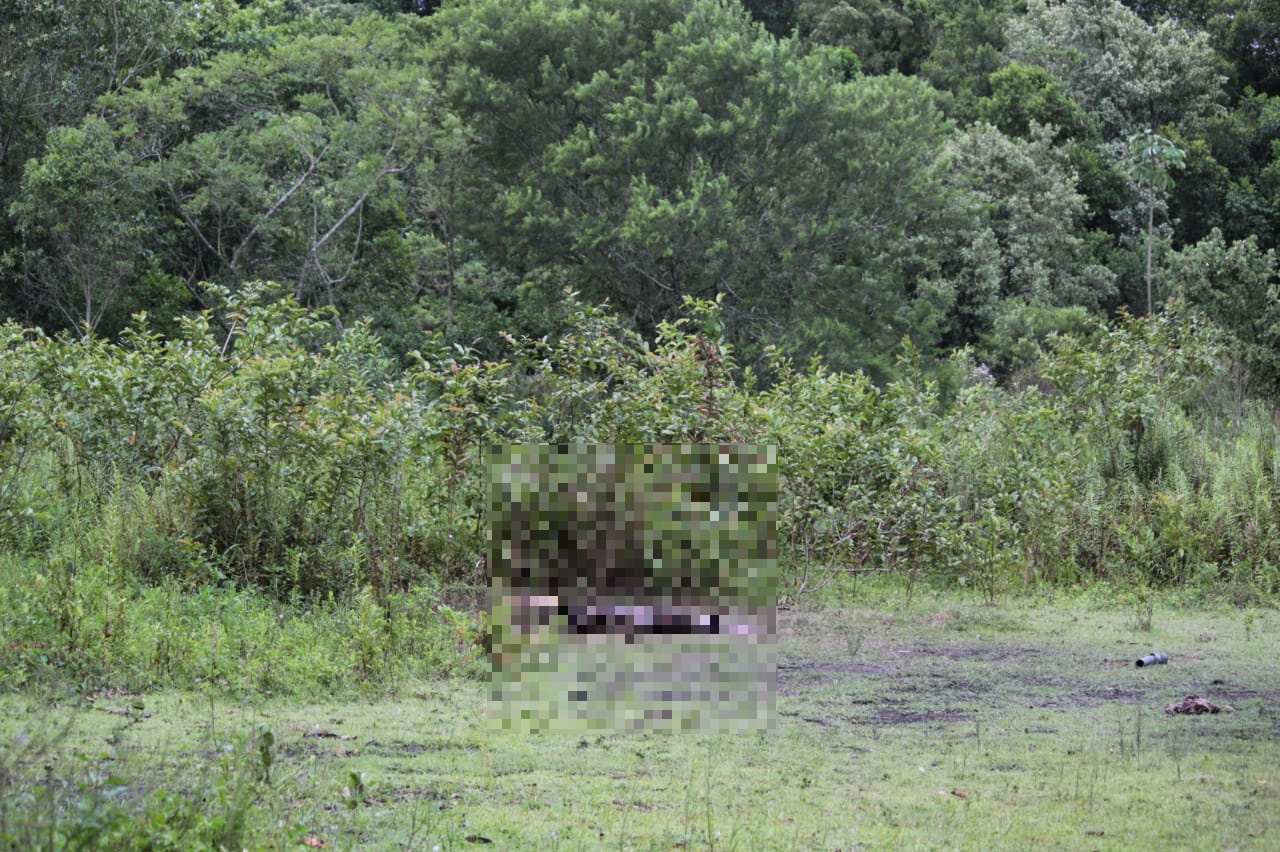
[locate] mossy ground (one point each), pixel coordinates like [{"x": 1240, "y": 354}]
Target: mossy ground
[{"x": 946, "y": 725}]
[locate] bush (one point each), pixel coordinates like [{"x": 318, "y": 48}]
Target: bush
[{"x": 271, "y": 448}]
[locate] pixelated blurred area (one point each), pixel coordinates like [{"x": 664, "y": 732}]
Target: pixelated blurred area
[{"x": 634, "y": 586}]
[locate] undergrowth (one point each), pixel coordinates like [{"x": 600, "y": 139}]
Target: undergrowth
[{"x": 264, "y": 500}]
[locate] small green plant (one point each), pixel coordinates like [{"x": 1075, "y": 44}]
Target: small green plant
[
  {"x": 370, "y": 639},
  {"x": 1142, "y": 602},
  {"x": 353, "y": 792}
]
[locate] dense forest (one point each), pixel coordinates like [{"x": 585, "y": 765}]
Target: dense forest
[
  {"x": 997, "y": 279},
  {"x": 845, "y": 173}
]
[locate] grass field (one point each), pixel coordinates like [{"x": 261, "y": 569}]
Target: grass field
[{"x": 950, "y": 724}]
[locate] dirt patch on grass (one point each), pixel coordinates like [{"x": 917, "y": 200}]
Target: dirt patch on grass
[
  {"x": 990, "y": 653},
  {"x": 804, "y": 671},
  {"x": 414, "y": 749},
  {"x": 891, "y": 716},
  {"x": 884, "y": 676},
  {"x": 312, "y": 749}
]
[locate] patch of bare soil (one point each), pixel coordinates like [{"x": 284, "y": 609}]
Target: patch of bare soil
[
  {"x": 890, "y": 716},
  {"x": 415, "y": 749},
  {"x": 309, "y": 748},
  {"x": 884, "y": 678},
  {"x": 984, "y": 653},
  {"x": 819, "y": 670}
]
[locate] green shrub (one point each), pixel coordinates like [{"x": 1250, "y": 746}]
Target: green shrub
[{"x": 267, "y": 447}]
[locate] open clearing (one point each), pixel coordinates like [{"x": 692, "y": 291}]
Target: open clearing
[{"x": 947, "y": 725}]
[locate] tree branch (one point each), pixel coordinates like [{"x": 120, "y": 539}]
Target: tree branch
[{"x": 233, "y": 264}]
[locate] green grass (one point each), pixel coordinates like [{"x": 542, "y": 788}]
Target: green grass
[
  {"x": 948, "y": 725},
  {"x": 87, "y": 628}
]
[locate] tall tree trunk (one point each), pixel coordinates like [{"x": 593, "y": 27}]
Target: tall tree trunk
[{"x": 1151, "y": 218}]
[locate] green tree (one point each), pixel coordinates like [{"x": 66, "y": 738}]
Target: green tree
[
  {"x": 886, "y": 35},
  {"x": 1022, "y": 96},
  {"x": 1021, "y": 333},
  {"x": 777, "y": 16},
  {"x": 1229, "y": 181},
  {"x": 1237, "y": 285},
  {"x": 967, "y": 51},
  {"x": 648, "y": 151},
  {"x": 87, "y": 223},
  {"x": 57, "y": 59},
  {"x": 1246, "y": 146},
  {"x": 1151, "y": 157},
  {"x": 1246, "y": 32},
  {"x": 955, "y": 46},
  {"x": 1033, "y": 210},
  {"x": 1127, "y": 75},
  {"x": 284, "y": 163}
]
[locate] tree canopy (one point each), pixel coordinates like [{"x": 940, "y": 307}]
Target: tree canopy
[{"x": 841, "y": 174}]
